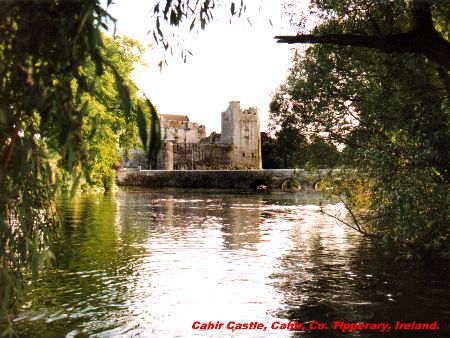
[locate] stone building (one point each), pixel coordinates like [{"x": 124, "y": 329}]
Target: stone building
[{"x": 184, "y": 145}]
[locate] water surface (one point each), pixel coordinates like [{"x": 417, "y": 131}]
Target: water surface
[{"x": 145, "y": 263}]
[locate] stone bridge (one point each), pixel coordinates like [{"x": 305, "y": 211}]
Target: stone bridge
[{"x": 226, "y": 179}]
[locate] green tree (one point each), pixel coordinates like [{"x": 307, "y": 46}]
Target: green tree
[
  {"x": 290, "y": 148},
  {"x": 267, "y": 151},
  {"x": 390, "y": 111},
  {"x": 322, "y": 154},
  {"x": 107, "y": 128},
  {"x": 42, "y": 49},
  {"x": 52, "y": 57}
]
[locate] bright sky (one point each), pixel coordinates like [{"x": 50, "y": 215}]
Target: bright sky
[{"x": 230, "y": 61}]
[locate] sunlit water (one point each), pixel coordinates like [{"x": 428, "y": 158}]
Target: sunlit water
[{"x": 151, "y": 263}]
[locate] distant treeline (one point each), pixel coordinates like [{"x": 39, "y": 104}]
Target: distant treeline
[{"x": 289, "y": 149}]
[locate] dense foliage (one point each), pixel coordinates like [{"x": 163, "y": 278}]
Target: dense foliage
[
  {"x": 289, "y": 148},
  {"x": 42, "y": 49},
  {"x": 107, "y": 127},
  {"x": 390, "y": 111},
  {"x": 66, "y": 105}
]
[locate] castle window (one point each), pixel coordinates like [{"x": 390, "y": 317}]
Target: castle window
[
  {"x": 243, "y": 154},
  {"x": 253, "y": 154}
]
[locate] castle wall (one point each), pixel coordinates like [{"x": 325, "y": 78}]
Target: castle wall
[{"x": 202, "y": 156}]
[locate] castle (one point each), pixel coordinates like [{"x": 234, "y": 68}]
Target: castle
[{"x": 185, "y": 146}]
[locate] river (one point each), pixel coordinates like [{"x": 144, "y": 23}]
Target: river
[{"x": 151, "y": 263}]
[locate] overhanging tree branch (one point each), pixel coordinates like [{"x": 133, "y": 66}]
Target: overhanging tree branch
[
  {"x": 387, "y": 43},
  {"x": 431, "y": 45},
  {"x": 422, "y": 39}
]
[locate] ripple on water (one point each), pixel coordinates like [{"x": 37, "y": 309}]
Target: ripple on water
[{"x": 150, "y": 263}]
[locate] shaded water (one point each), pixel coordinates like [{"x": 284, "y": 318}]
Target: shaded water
[{"x": 151, "y": 263}]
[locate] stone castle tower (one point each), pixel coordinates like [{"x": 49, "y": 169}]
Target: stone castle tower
[
  {"x": 184, "y": 145},
  {"x": 240, "y": 128}
]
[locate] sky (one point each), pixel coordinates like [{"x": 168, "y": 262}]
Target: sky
[{"x": 230, "y": 62}]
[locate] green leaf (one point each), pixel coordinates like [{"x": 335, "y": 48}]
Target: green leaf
[
  {"x": 95, "y": 41},
  {"x": 142, "y": 125},
  {"x": 124, "y": 92},
  {"x": 191, "y": 27},
  {"x": 173, "y": 18},
  {"x": 155, "y": 131},
  {"x": 84, "y": 109},
  {"x": 158, "y": 28}
]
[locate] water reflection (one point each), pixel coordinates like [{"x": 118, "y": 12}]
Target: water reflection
[
  {"x": 343, "y": 279},
  {"x": 150, "y": 263}
]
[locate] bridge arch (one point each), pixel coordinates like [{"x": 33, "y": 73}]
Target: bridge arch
[
  {"x": 316, "y": 184},
  {"x": 291, "y": 183},
  {"x": 259, "y": 184}
]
